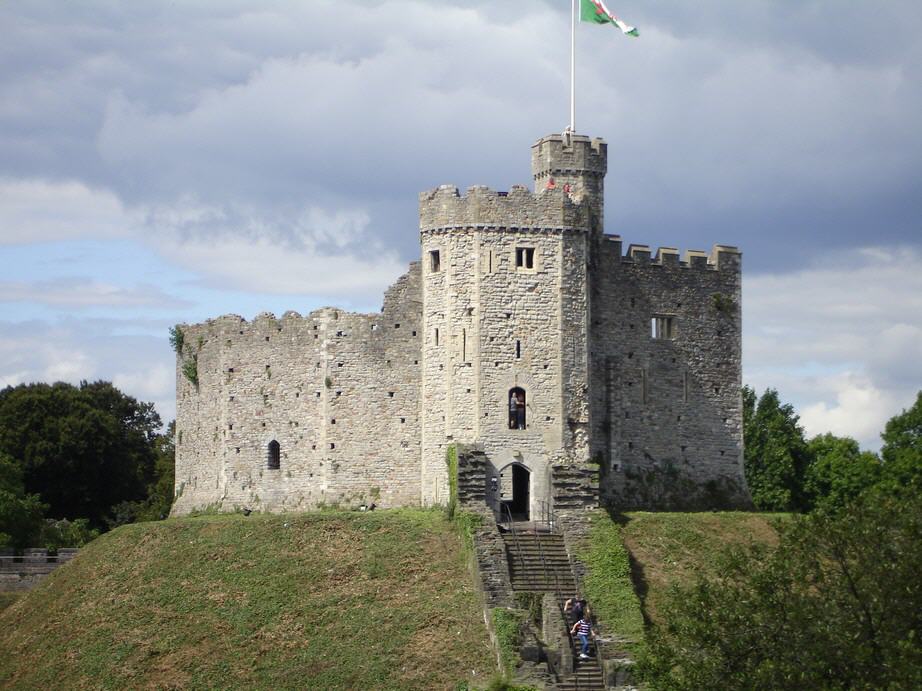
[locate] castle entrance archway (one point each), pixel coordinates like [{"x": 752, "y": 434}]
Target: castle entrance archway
[{"x": 515, "y": 491}]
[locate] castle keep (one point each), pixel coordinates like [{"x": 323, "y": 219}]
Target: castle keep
[{"x": 523, "y": 331}]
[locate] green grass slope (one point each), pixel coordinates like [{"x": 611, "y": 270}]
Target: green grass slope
[
  {"x": 669, "y": 549},
  {"x": 634, "y": 559},
  {"x": 377, "y": 600}
]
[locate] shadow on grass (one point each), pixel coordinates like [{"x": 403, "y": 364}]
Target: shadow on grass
[{"x": 638, "y": 577}]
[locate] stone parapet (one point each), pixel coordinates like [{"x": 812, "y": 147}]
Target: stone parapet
[
  {"x": 444, "y": 208},
  {"x": 720, "y": 258}
]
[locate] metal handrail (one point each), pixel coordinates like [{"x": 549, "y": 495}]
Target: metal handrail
[
  {"x": 515, "y": 537},
  {"x": 547, "y": 515}
]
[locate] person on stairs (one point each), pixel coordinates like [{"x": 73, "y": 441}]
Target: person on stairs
[
  {"x": 583, "y": 629},
  {"x": 575, "y": 606}
]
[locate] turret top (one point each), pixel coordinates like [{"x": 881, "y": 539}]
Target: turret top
[{"x": 568, "y": 155}]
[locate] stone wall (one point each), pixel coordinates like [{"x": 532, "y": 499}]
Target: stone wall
[
  {"x": 338, "y": 391},
  {"x": 24, "y": 572},
  {"x": 667, "y": 414}
]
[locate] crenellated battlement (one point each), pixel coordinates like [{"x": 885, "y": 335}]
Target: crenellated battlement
[
  {"x": 720, "y": 258},
  {"x": 445, "y": 208},
  {"x": 562, "y": 155}
]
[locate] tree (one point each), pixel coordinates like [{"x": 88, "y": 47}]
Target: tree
[
  {"x": 776, "y": 455},
  {"x": 21, "y": 514},
  {"x": 81, "y": 449},
  {"x": 902, "y": 449},
  {"x": 837, "y": 605},
  {"x": 838, "y": 472},
  {"x": 160, "y": 492}
]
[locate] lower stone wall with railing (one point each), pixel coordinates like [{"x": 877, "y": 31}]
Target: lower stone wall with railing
[{"x": 22, "y": 572}]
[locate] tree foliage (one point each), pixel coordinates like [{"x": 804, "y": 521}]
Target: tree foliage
[
  {"x": 785, "y": 472},
  {"x": 902, "y": 449},
  {"x": 837, "y": 605},
  {"x": 838, "y": 472},
  {"x": 82, "y": 449},
  {"x": 21, "y": 514},
  {"x": 776, "y": 454}
]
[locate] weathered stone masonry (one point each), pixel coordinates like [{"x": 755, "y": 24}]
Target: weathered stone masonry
[{"x": 630, "y": 361}]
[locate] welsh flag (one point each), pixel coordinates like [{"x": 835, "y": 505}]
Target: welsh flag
[{"x": 595, "y": 11}]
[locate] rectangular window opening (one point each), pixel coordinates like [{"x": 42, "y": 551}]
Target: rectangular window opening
[
  {"x": 435, "y": 263},
  {"x": 518, "y": 349},
  {"x": 525, "y": 257},
  {"x": 463, "y": 345},
  {"x": 436, "y": 336},
  {"x": 662, "y": 327}
]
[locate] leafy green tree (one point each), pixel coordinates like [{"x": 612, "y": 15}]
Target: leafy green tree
[
  {"x": 902, "y": 449},
  {"x": 837, "y": 605},
  {"x": 159, "y": 493},
  {"x": 21, "y": 514},
  {"x": 839, "y": 471},
  {"x": 776, "y": 454},
  {"x": 81, "y": 449}
]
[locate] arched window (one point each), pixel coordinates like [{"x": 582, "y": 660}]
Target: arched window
[
  {"x": 517, "y": 408},
  {"x": 275, "y": 455}
]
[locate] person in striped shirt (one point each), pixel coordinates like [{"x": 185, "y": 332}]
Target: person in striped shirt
[{"x": 583, "y": 629}]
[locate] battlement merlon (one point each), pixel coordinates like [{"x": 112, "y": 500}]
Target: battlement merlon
[
  {"x": 721, "y": 257},
  {"x": 444, "y": 208}
]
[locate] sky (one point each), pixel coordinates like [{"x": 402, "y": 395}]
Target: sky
[{"x": 167, "y": 162}]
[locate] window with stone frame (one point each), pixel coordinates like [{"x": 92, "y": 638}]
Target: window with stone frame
[
  {"x": 525, "y": 257},
  {"x": 435, "y": 261}
]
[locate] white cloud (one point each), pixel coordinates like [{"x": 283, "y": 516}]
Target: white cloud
[
  {"x": 842, "y": 340},
  {"x": 78, "y": 293},
  {"x": 154, "y": 382},
  {"x": 76, "y": 350},
  {"x": 34, "y": 211}
]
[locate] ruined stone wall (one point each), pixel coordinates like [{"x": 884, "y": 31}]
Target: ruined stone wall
[
  {"x": 338, "y": 391},
  {"x": 666, "y": 412},
  {"x": 491, "y": 325}
]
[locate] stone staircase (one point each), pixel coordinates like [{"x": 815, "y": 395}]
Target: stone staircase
[
  {"x": 587, "y": 674},
  {"x": 526, "y": 568},
  {"x": 534, "y": 560}
]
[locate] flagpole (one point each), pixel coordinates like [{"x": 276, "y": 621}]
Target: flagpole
[{"x": 573, "y": 66}]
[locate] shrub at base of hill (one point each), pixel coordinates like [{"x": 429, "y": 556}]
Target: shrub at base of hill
[{"x": 838, "y": 604}]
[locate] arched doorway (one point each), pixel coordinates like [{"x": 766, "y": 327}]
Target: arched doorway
[{"x": 515, "y": 491}]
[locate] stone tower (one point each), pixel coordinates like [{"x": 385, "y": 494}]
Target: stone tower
[{"x": 505, "y": 314}]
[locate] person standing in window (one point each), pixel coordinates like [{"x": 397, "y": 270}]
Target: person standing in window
[
  {"x": 513, "y": 406},
  {"x": 520, "y": 410}
]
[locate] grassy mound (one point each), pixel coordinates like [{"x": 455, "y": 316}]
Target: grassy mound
[
  {"x": 322, "y": 601},
  {"x": 634, "y": 559},
  {"x": 672, "y": 548}
]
